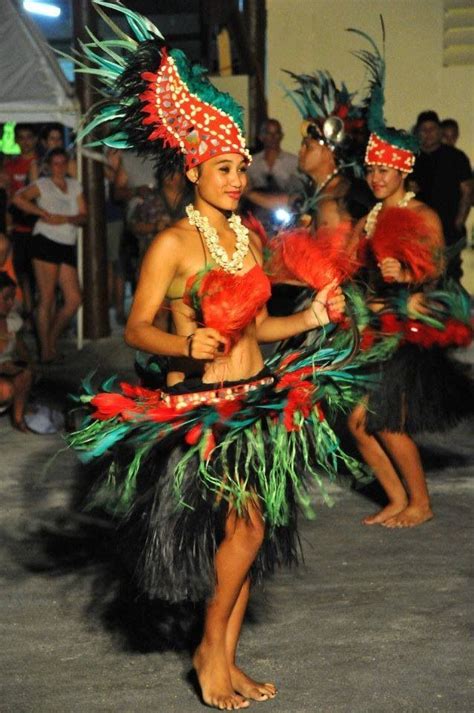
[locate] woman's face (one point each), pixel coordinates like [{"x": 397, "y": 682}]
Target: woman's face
[
  {"x": 221, "y": 181},
  {"x": 7, "y": 298},
  {"x": 58, "y": 166},
  {"x": 54, "y": 140},
  {"x": 384, "y": 181},
  {"x": 310, "y": 154}
]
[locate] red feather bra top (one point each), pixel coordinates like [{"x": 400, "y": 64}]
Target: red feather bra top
[
  {"x": 227, "y": 302},
  {"x": 403, "y": 234}
]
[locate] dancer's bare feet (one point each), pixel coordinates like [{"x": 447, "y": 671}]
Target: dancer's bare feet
[
  {"x": 249, "y": 688},
  {"x": 411, "y": 516},
  {"x": 391, "y": 510},
  {"x": 214, "y": 678}
]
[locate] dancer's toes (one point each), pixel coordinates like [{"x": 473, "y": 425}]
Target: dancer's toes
[
  {"x": 411, "y": 516},
  {"x": 249, "y": 688},
  {"x": 214, "y": 678},
  {"x": 379, "y": 518}
]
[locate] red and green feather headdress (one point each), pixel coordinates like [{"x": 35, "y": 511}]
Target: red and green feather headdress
[{"x": 155, "y": 101}]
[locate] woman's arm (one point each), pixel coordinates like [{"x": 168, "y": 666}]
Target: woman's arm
[
  {"x": 159, "y": 268},
  {"x": 80, "y": 217},
  {"x": 274, "y": 329},
  {"x": 24, "y": 199}
]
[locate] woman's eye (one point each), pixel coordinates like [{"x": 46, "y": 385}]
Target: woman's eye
[
  {"x": 224, "y": 170},
  {"x": 243, "y": 169}
]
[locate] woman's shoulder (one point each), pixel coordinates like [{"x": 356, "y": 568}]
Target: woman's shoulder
[
  {"x": 171, "y": 239},
  {"x": 423, "y": 210}
]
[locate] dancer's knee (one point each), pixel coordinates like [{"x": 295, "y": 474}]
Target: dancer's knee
[
  {"x": 356, "y": 424},
  {"x": 248, "y": 527}
]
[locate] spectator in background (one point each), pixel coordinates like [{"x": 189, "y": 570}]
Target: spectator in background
[
  {"x": 17, "y": 169},
  {"x": 272, "y": 176},
  {"x": 51, "y": 137},
  {"x": 6, "y": 265},
  {"x": 115, "y": 219},
  {"x": 4, "y": 182},
  {"x": 16, "y": 373},
  {"x": 59, "y": 203},
  {"x": 442, "y": 178},
  {"x": 134, "y": 178},
  {"x": 158, "y": 210},
  {"x": 449, "y": 132}
]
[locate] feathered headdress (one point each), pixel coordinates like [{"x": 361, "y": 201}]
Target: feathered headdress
[
  {"x": 155, "y": 100},
  {"x": 328, "y": 111},
  {"x": 387, "y": 146}
]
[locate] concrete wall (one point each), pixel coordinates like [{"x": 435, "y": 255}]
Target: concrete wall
[{"x": 304, "y": 35}]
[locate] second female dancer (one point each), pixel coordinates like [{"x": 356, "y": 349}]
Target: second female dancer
[{"x": 400, "y": 243}]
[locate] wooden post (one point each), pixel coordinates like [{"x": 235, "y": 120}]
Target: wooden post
[{"x": 94, "y": 278}]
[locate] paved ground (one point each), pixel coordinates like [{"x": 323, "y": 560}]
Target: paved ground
[{"x": 376, "y": 621}]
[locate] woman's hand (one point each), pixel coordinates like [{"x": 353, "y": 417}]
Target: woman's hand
[
  {"x": 55, "y": 219},
  {"x": 206, "y": 344},
  {"x": 392, "y": 270},
  {"x": 416, "y": 305},
  {"x": 328, "y": 305}
]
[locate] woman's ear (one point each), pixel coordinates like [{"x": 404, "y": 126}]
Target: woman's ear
[{"x": 193, "y": 174}]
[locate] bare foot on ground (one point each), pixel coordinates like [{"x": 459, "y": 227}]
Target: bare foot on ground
[
  {"x": 250, "y": 688},
  {"x": 214, "y": 678},
  {"x": 379, "y": 518},
  {"x": 411, "y": 516}
]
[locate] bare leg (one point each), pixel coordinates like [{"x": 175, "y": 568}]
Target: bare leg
[
  {"x": 69, "y": 283},
  {"x": 21, "y": 389},
  {"x": 243, "y": 538},
  {"x": 240, "y": 681},
  {"x": 406, "y": 457},
  {"x": 375, "y": 456},
  {"x": 46, "y": 274}
]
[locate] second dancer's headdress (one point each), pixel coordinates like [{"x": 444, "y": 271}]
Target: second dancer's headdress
[
  {"x": 387, "y": 146},
  {"x": 329, "y": 112},
  {"x": 157, "y": 102}
]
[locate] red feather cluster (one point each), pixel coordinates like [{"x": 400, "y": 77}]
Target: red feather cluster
[
  {"x": 313, "y": 259},
  {"x": 404, "y": 235},
  {"x": 454, "y": 332},
  {"x": 230, "y": 302},
  {"x": 298, "y": 401}
]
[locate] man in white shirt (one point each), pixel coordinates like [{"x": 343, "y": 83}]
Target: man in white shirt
[{"x": 273, "y": 175}]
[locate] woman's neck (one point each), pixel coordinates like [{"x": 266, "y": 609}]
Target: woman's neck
[
  {"x": 218, "y": 218},
  {"x": 394, "y": 199}
]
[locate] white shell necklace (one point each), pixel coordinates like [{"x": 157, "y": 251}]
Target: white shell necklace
[
  {"x": 371, "y": 220},
  {"x": 217, "y": 252}
]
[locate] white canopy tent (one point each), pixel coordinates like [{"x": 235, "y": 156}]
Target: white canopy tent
[{"x": 32, "y": 85}]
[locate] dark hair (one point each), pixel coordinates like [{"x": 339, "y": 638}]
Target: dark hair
[
  {"x": 266, "y": 122},
  {"x": 427, "y": 116},
  {"x": 56, "y": 152},
  {"x": 450, "y": 124},
  {"x": 6, "y": 280},
  {"x": 25, "y": 127},
  {"x": 46, "y": 130}
]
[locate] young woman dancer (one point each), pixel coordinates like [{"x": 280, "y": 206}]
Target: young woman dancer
[
  {"x": 401, "y": 244},
  {"x": 381, "y": 432},
  {"x": 207, "y": 474}
]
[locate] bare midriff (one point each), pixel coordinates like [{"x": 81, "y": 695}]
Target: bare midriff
[{"x": 243, "y": 361}]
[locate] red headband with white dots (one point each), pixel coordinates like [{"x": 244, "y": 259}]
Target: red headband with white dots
[
  {"x": 381, "y": 153},
  {"x": 184, "y": 121}
]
